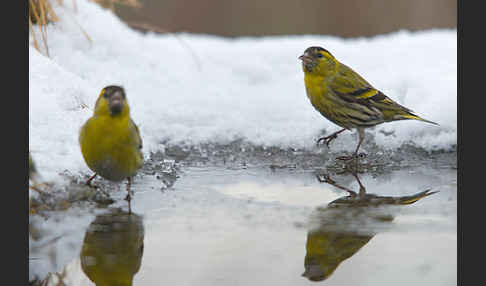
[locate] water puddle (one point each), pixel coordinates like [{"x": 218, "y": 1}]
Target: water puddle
[{"x": 262, "y": 226}]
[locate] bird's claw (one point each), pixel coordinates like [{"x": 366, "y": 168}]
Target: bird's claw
[
  {"x": 91, "y": 185},
  {"x": 327, "y": 139},
  {"x": 354, "y": 156},
  {"x": 325, "y": 178},
  {"x": 128, "y": 198}
]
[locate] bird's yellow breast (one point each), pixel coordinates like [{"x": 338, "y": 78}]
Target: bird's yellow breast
[
  {"x": 315, "y": 87},
  {"x": 110, "y": 147},
  {"x": 322, "y": 99},
  {"x": 318, "y": 93}
]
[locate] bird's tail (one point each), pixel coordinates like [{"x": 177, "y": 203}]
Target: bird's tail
[
  {"x": 413, "y": 116},
  {"x": 413, "y": 198}
]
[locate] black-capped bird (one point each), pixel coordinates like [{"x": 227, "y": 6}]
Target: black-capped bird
[
  {"x": 345, "y": 98},
  {"x": 110, "y": 140}
]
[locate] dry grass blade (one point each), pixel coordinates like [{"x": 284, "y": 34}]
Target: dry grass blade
[
  {"x": 41, "y": 13},
  {"x": 82, "y": 30},
  {"x": 39, "y": 7},
  {"x": 36, "y": 44},
  {"x": 152, "y": 28},
  {"x": 43, "y": 24},
  {"x": 52, "y": 16}
]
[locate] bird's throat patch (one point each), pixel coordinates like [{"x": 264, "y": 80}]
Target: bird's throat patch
[
  {"x": 309, "y": 66},
  {"x": 116, "y": 109}
]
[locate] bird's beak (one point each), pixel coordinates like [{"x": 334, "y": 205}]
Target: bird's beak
[
  {"x": 306, "y": 58},
  {"x": 116, "y": 103}
]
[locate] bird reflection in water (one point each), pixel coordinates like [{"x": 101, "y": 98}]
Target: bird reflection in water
[
  {"x": 112, "y": 248},
  {"x": 344, "y": 226}
]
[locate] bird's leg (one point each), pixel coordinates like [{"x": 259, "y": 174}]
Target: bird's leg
[
  {"x": 355, "y": 154},
  {"x": 88, "y": 182},
  {"x": 129, "y": 197},
  {"x": 361, "y": 138},
  {"x": 326, "y": 179},
  {"x": 328, "y": 139},
  {"x": 362, "y": 189}
]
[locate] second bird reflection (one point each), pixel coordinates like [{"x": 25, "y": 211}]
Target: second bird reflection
[
  {"x": 345, "y": 225},
  {"x": 112, "y": 249}
]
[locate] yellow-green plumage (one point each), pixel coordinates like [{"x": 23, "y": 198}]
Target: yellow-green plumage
[
  {"x": 338, "y": 236},
  {"x": 344, "y": 97},
  {"x": 110, "y": 141},
  {"x": 112, "y": 248}
]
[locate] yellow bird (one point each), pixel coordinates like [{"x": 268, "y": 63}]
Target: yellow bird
[
  {"x": 347, "y": 224},
  {"x": 110, "y": 140},
  {"x": 112, "y": 248},
  {"x": 345, "y": 98}
]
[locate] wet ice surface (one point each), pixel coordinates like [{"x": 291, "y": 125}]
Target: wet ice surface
[{"x": 242, "y": 215}]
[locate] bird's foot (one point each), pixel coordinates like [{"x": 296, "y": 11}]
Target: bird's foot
[
  {"x": 351, "y": 157},
  {"x": 88, "y": 182},
  {"x": 93, "y": 186},
  {"x": 362, "y": 191},
  {"x": 327, "y": 139},
  {"x": 325, "y": 178},
  {"x": 128, "y": 198}
]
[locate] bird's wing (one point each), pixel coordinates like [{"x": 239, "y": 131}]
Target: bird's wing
[
  {"x": 351, "y": 87},
  {"x": 139, "y": 139}
]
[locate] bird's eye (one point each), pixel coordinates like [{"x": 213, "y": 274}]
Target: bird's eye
[{"x": 319, "y": 55}]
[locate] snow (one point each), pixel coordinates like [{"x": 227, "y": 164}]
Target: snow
[{"x": 192, "y": 89}]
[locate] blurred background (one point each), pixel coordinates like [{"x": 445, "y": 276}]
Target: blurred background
[{"x": 351, "y": 18}]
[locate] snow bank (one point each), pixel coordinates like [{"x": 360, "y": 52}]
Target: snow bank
[{"x": 192, "y": 89}]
